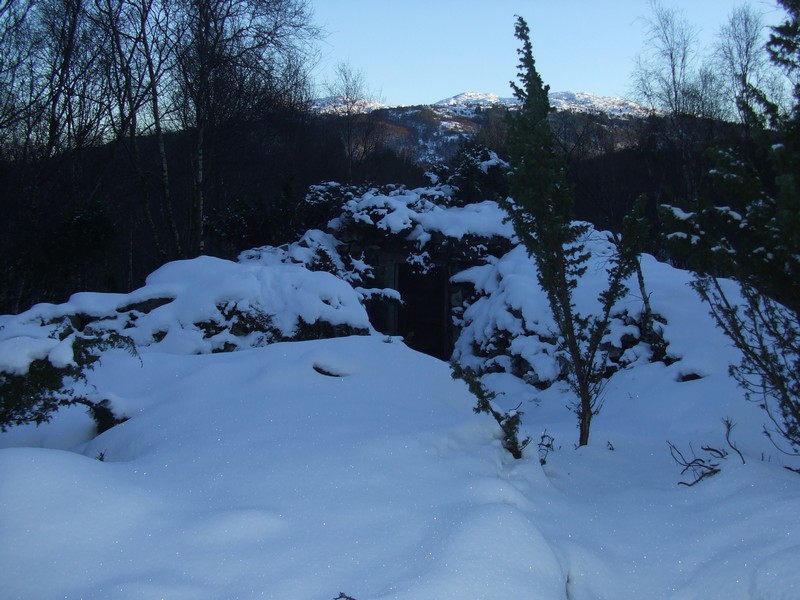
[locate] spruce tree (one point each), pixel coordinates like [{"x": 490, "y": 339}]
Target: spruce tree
[{"x": 541, "y": 209}]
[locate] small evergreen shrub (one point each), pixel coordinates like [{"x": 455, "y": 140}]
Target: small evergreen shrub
[
  {"x": 33, "y": 396},
  {"x": 509, "y": 421}
]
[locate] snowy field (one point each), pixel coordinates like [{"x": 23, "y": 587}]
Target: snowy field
[{"x": 355, "y": 465}]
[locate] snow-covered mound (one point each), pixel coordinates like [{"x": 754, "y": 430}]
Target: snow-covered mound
[
  {"x": 193, "y": 306},
  {"x": 292, "y": 471},
  {"x": 509, "y": 337},
  {"x": 417, "y": 222},
  {"x": 355, "y": 465}
]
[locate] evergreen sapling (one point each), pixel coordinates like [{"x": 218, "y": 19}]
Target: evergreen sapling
[{"x": 541, "y": 210}]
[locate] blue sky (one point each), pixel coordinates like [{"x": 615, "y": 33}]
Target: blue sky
[{"x": 421, "y": 51}]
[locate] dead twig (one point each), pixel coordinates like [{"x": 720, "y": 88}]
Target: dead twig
[
  {"x": 701, "y": 468},
  {"x": 729, "y": 425}
]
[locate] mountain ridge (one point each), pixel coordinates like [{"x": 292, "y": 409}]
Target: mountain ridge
[
  {"x": 561, "y": 101},
  {"x": 432, "y": 133},
  {"x": 466, "y": 103}
]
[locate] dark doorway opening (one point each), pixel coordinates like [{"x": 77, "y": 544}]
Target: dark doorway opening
[{"x": 423, "y": 319}]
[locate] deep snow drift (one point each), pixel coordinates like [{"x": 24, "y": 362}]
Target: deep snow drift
[{"x": 303, "y": 469}]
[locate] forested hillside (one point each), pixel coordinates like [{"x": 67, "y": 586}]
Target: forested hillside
[{"x": 133, "y": 133}]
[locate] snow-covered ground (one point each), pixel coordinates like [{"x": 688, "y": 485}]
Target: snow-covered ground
[{"x": 355, "y": 465}]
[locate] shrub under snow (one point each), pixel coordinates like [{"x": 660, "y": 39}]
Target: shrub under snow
[
  {"x": 507, "y": 326},
  {"x": 196, "y": 306}
]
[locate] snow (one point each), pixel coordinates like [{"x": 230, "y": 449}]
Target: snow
[
  {"x": 468, "y": 102},
  {"x": 196, "y": 306},
  {"x": 677, "y": 213},
  {"x": 302, "y": 469},
  {"x": 586, "y": 102},
  {"x": 417, "y": 214},
  {"x": 288, "y": 293},
  {"x": 250, "y": 475},
  {"x": 17, "y": 352},
  {"x": 279, "y": 481}
]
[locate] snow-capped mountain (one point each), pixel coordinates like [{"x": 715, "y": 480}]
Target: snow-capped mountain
[
  {"x": 475, "y": 98},
  {"x": 331, "y": 105},
  {"x": 584, "y": 102},
  {"x": 432, "y": 133},
  {"x": 466, "y": 103}
]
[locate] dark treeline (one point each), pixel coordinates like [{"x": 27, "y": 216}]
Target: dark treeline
[
  {"x": 88, "y": 221},
  {"x": 655, "y": 164}
]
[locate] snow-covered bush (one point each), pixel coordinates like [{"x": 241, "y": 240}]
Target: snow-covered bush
[
  {"x": 424, "y": 224},
  {"x": 316, "y": 250},
  {"x": 38, "y": 375},
  {"x": 507, "y": 325},
  {"x": 324, "y": 202},
  {"x": 194, "y": 306}
]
